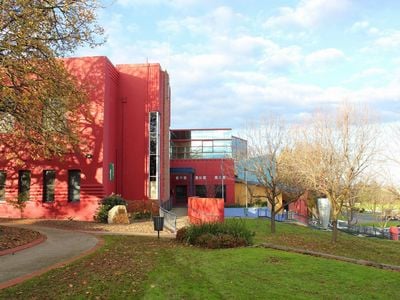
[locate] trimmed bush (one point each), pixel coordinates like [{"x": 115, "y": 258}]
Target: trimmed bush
[
  {"x": 231, "y": 233},
  {"x": 181, "y": 235},
  {"x": 106, "y": 204},
  {"x": 141, "y": 215}
]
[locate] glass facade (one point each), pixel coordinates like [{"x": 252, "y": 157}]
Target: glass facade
[
  {"x": 201, "y": 144},
  {"x": 154, "y": 154}
]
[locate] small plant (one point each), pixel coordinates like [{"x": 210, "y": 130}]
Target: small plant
[
  {"x": 141, "y": 215},
  {"x": 106, "y": 204},
  {"x": 181, "y": 235},
  {"x": 231, "y": 233}
]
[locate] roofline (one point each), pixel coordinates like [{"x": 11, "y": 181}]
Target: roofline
[{"x": 199, "y": 129}]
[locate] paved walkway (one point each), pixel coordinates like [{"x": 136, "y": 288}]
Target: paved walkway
[
  {"x": 60, "y": 246},
  {"x": 182, "y": 219}
]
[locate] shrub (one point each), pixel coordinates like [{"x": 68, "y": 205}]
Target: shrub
[
  {"x": 141, "y": 215},
  {"x": 231, "y": 233},
  {"x": 106, "y": 204},
  {"x": 223, "y": 240},
  {"x": 181, "y": 235}
]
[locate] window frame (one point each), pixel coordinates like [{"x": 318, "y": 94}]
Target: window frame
[
  {"x": 71, "y": 186},
  {"x": 3, "y": 183},
  {"x": 24, "y": 189},
  {"x": 49, "y": 188}
]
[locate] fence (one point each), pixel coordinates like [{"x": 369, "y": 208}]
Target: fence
[
  {"x": 169, "y": 219},
  {"x": 255, "y": 212},
  {"x": 371, "y": 231}
]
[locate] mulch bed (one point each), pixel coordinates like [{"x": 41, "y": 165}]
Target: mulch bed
[
  {"x": 12, "y": 237},
  {"x": 136, "y": 227}
]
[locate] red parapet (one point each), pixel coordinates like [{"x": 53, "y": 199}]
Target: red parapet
[{"x": 205, "y": 210}]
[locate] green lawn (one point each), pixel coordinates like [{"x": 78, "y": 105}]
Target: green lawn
[
  {"x": 189, "y": 273},
  {"x": 130, "y": 267},
  {"x": 374, "y": 249}
]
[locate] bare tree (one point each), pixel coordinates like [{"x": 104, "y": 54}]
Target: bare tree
[
  {"x": 268, "y": 143},
  {"x": 333, "y": 153}
]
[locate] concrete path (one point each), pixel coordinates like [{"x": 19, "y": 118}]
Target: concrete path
[
  {"x": 60, "y": 246},
  {"x": 182, "y": 219}
]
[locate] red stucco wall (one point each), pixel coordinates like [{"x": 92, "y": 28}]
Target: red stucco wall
[
  {"x": 205, "y": 210},
  {"x": 113, "y": 130},
  {"x": 142, "y": 88},
  {"x": 208, "y": 168}
]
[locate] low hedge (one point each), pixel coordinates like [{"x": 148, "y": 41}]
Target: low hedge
[{"x": 230, "y": 234}]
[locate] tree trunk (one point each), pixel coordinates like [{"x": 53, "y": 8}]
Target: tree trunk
[
  {"x": 334, "y": 231},
  {"x": 273, "y": 219}
]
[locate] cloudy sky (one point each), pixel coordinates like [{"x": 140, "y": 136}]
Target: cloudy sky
[{"x": 235, "y": 61}]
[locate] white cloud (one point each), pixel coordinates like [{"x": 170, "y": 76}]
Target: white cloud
[
  {"x": 368, "y": 74},
  {"x": 220, "y": 20},
  {"x": 324, "y": 57},
  {"x": 388, "y": 41},
  {"x": 309, "y": 13},
  {"x": 174, "y": 3}
]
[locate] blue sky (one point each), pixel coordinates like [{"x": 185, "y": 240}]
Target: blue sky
[{"x": 231, "y": 62}]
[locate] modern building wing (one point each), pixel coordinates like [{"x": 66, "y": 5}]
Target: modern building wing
[
  {"x": 124, "y": 146},
  {"x": 203, "y": 163}
]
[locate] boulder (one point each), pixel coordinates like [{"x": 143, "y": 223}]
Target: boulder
[{"x": 118, "y": 215}]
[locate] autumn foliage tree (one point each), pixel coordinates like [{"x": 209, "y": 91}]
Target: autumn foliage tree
[{"x": 38, "y": 98}]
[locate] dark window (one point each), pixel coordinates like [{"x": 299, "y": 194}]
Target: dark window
[
  {"x": 219, "y": 191},
  {"x": 201, "y": 191},
  {"x": 49, "y": 178},
  {"x": 3, "y": 177},
  {"x": 24, "y": 184},
  {"x": 181, "y": 194},
  {"x": 74, "y": 185}
]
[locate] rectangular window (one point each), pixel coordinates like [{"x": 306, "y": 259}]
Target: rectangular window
[
  {"x": 74, "y": 185},
  {"x": 201, "y": 191},
  {"x": 3, "y": 177},
  {"x": 154, "y": 154},
  {"x": 24, "y": 184},
  {"x": 220, "y": 191},
  {"x": 49, "y": 178},
  {"x": 54, "y": 115}
]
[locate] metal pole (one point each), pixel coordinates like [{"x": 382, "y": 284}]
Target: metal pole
[
  {"x": 222, "y": 178},
  {"x": 245, "y": 178}
]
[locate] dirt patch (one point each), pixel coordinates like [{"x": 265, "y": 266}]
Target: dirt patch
[
  {"x": 141, "y": 226},
  {"x": 12, "y": 237}
]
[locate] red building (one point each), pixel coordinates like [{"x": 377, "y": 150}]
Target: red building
[
  {"x": 202, "y": 164},
  {"x": 124, "y": 146}
]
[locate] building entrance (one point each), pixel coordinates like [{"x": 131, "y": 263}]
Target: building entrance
[{"x": 181, "y": 194}]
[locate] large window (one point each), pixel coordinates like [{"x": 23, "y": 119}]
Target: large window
[
  {"x": 200, "y": 144},
  {"x": 24, "y": 184},
  {"x": 49, "y": 178},
  {"x": 54, "y": 115},
  {"x": 6, "y": 122},
  {"x": 154, "y": 154},
  {"x": 220, "y": 191},
  {"x": 3, "y": 177},
  {"x": 201, "y": 191},
  {"x": 74, "y": 185}
]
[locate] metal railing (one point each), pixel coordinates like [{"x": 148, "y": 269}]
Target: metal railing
[{"x": 169, "y": 219}]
